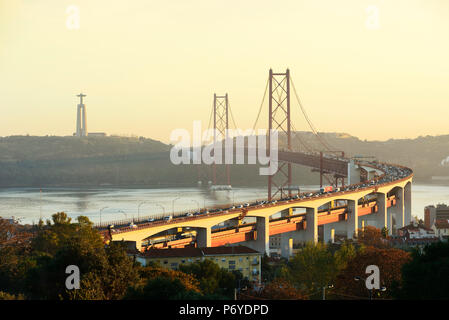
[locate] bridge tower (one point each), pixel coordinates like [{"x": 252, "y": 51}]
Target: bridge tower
[
  {"x": 279, "y": 119},
  {"x": 221, "y": 173}
]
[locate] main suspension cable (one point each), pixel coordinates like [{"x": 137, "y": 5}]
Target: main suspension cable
[
  {"x": 261, "y": 105},
  {"x": 312, "y": 127}
]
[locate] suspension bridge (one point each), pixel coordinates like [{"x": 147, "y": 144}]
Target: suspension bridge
[{"x": 358, "y": 193}]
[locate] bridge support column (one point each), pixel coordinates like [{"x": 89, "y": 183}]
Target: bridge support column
[
  {"x": 139, "y": 245},
  {"x": 399, "y": 209},
  {"x": 203, "y": 237},
  {"x": 312, "y": 225},
  {"x": 263, "y": 235},
  {"x": 382, "y": 214},
  {"x": 286, "y": 246},
  {"x": 328, "y": 234},
  {"x": 353, "y": 219},
  {"x": 408, "y": 204}
]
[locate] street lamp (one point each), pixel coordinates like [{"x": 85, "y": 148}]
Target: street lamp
[
  {"x": 197, "y": 202},
  {"x": 157, "y": 204},
  {"x": 100, "y": 213},
  {"x": 233, "y": 193},
  {"x": 173, "y": 204},
  {"x": 126, "y": 216},
  {"x": 138, "y": 210},
  {"x": 329, "y": 286},
  {"x": 383, "y": 289}
]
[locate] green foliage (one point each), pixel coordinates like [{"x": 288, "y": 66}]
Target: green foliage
[
  {"x": 212, "y": 278},
  {"x": 163, "y": 288},
  {"x": 426, "y": 276},
  {"x": 54, "y": 236},
  {"x": 346, "y": 252},
  {"x": 8, "y": 296},
  {"x": 272, "y": 270},
  {"x": 312, "y": 268},
  {"x": 316, "y": 266}
]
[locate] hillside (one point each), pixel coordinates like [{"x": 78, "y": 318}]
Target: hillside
[{"x": 124, "y": 161}]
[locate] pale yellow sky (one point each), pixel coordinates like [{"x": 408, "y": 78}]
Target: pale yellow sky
[{"x": 149, "y": 67}]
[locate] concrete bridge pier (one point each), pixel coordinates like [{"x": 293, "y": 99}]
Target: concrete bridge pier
[
  {"x": 262, "y": 241},
  {"x": 352, "y": 221},
  {"x": 390, "y": 219},
  {"x": 286, "y": 245},
  {"x": 312, "y": 225},
  {"x": 408, "y": 203},
  {"x": 203, "y": 237},
  {"x": 328, "y": 233},
  {"x": 382, "y": 212},
  {"x": 399, "y": 215},
  {"x": 139, "y": 245}
]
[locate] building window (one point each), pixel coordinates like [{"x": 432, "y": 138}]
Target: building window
[
  {"x": 183, "y": 261},
  {"x": 231, "y": 261},
  {"x": 165, "y": 261},
  {"x": 223, "y": 259},
  {"x": 240, "y": 259},
  {"x": 232, "y": 267}
]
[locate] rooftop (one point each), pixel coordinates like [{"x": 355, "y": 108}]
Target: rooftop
[{"x": 197, "y": 252}]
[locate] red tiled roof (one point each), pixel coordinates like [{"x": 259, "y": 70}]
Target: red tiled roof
[
  {"x": 228, "y": 250},
  {"x": 196, "y": 252}
]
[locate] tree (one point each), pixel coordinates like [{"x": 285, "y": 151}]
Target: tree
[
  {"x": 372, "y": 236},
  {"x": 312, "y": 268},
  {"x": 389, "y": 261},
  {"x": 53, "y": 236},
  {"x": 163, "y": 289},
  {"x": 278, "y": 289},
  {"x": 157, "y": 283},
  {"x": 7, "y": 296},
  {"x": 15, "y": 257},
  {"x": 426, "y": 275},
  {"x": 212, "y": 278},
  {"x": 344, "y": 254},
  {"x": 105, "y": 273}
]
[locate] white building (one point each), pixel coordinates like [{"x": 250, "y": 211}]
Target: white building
[{"x": 441, "y": 228}]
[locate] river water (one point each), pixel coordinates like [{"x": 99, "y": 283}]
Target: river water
[{"x": 28, "y": 204}]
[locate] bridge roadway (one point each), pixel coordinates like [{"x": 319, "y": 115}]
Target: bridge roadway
[
  {"x": 289, "y": 223},
  {"x": 394, "y": 184}
]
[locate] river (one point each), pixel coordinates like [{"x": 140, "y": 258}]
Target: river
[{"x": 28, "y": 204}]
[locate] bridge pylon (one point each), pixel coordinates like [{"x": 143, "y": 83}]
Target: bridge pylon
[
  {"x": 221, "y": 172},
  {"x": 279, "y": 119}
]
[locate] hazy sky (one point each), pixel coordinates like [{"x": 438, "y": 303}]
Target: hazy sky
[{"x": 149, "y": 67}]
